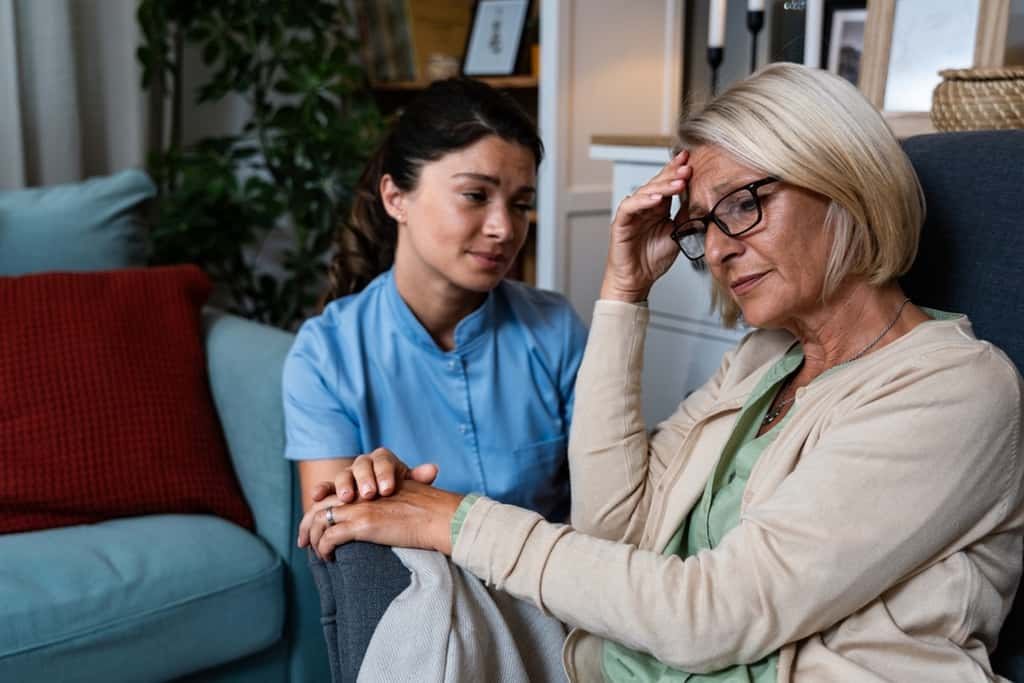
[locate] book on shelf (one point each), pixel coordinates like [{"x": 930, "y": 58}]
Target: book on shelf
[
  {"x": 386, "y": 46},
  {"x": 400, "y": 38}
]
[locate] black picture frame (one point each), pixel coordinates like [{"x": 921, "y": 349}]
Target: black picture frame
[
  {"x": 836, "y": 10},
  {"x": 846, "y": 43},
  {"x": 495, "y": 37}
]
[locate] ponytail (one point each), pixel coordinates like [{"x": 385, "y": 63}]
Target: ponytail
[{"x": 364, "y": 245}]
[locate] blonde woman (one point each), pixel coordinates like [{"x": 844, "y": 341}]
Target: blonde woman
[{"x": 842, "y": 501}]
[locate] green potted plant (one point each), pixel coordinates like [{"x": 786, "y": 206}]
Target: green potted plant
[{"x": 287, "y": 175}]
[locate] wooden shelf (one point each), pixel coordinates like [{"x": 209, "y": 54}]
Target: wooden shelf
[
  {"x": 504, "y": 82},
  {"x": 659, "y": 141}
]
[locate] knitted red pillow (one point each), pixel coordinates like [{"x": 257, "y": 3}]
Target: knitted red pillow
[{"x": 105, "y": 408}]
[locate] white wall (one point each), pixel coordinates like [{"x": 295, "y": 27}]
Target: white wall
[{"x": 608, "y": 67}]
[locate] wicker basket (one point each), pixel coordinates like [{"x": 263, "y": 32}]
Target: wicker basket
[{"x": 977, "y": 99}]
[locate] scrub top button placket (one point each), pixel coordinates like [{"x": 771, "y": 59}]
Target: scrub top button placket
[{"x": 467, "y": 428}]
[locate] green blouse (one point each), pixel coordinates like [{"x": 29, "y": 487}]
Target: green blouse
[{"x": 717, "y": 512}]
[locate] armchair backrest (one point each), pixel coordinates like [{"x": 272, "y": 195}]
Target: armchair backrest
[
  {"x": 971, "y": 260},
  {"x": 971, "y": 256}
]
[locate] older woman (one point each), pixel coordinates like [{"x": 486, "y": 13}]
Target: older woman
[{"x": 842, "y": 501}]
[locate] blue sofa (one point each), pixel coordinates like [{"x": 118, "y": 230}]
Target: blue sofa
[{"x": 161, "y": 597}]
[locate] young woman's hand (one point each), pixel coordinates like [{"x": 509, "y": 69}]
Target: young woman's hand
[
  {"x": 379, "y": 473},
  {"x": 415, "y": 516},
  {"x": 640, "y": 248},
  {"x": 373, "y": 474}
]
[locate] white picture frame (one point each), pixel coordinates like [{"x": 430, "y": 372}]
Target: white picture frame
[{"x": 495, "y": 36}]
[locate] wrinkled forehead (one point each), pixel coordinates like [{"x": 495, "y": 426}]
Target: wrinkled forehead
[{"x": 715, "y": 173}]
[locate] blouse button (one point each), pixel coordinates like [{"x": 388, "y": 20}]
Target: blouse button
[{"x": 463, "y": 428}]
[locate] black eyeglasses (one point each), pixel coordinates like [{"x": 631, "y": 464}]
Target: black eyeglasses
[{"x": 734, "y": 214}]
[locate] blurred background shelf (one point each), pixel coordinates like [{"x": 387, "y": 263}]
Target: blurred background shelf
[{"x": 518, "y": 82}]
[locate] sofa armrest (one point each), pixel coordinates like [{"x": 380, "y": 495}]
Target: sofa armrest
[{"x": 244, "y": 360}]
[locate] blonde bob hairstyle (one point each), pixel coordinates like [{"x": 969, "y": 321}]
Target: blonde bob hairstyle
[{"x": 814, "y": 130}]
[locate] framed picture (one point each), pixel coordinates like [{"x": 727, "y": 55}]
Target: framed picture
[
  {"x": 907, "y": 43},
  {"x": 846, "y": 43},
  {"x": 495, "y": 36}
]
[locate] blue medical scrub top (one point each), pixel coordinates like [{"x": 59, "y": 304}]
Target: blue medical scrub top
[{"x": 493, "y": 413}]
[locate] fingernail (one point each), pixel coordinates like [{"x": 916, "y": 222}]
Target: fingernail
[
  {"x": 385, "y": 485},
  {"x": 677, "y": 182},
  {"x": 345, "y": 492},
  {"x": 367, "y": 489},
  {"x": 655, "y": 196}
]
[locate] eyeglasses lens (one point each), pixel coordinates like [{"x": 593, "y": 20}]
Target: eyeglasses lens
[{"x": 736, "y": 213}]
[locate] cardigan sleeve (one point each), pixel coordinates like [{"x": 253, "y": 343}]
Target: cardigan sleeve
[
  {"x": 613, "y": 462},
  {"x": 910, "y": 472}
]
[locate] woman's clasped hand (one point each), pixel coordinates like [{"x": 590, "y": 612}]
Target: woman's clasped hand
[{"x": 375, "y": 489}]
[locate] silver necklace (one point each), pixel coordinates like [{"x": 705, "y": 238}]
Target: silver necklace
[{"x": 774, "y": 413}]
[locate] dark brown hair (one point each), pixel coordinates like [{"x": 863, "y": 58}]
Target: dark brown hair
[{"x": 447, "y": 116}]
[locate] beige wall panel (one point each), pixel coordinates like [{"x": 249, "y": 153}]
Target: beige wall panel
[
  {"x": 618, "y": 76},
  {"x": 588, "y": 244}
]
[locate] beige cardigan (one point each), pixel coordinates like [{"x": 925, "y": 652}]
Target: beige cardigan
[{"x": 880, "y": 537}]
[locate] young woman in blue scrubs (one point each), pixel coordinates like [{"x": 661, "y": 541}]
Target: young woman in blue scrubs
[
  {"x": 423, "y": 348},
  {"x": 423, "y": 351}
]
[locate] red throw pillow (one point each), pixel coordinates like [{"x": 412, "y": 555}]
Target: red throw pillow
[{"x": 105, "y": 407}]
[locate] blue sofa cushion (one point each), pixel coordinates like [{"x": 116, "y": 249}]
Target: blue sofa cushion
[
  {"x": 143, "y": 598},
  {"x": 91, "y": 225}
]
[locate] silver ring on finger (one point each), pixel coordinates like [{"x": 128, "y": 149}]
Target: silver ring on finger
[{"x": 330, "y": 517}]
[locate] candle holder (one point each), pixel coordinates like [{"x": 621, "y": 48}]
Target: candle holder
[
  {"x": 715, "y": 55},
  {"x": 755, "y": 22}
]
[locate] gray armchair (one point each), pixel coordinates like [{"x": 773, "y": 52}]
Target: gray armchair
[{"x": 971, "y": 260}]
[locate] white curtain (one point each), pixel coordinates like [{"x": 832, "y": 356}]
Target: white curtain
[{"x": 71, "y": 104}]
